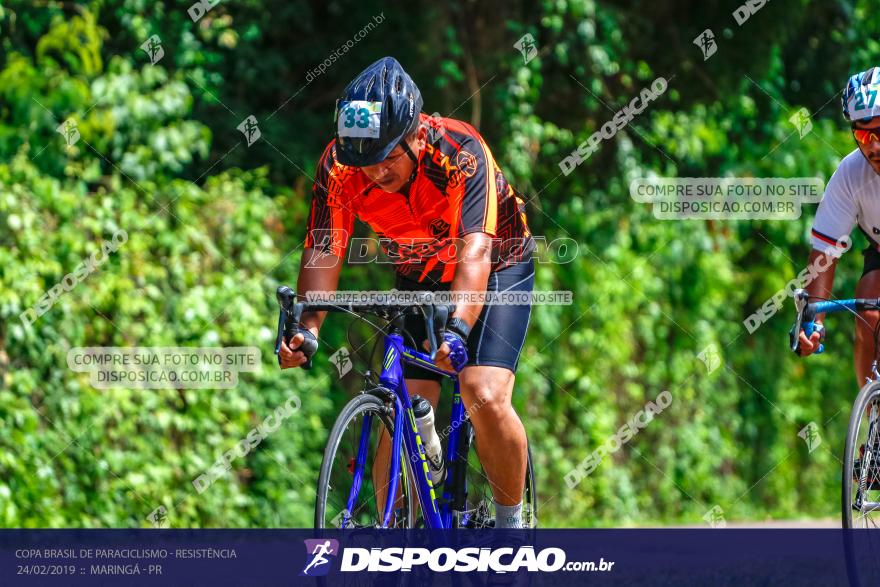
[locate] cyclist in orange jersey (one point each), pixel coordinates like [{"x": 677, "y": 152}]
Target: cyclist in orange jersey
[{"x": 448, "y": 220}]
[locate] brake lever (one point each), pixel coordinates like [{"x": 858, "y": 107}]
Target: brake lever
[
  {"x": 801, "y": 298},
  {"x": 288, "y": 318},
  {"x": 285, "y": 297},
  {"x": 429, "y": 327},
  {"x": 441, "y": 317}
]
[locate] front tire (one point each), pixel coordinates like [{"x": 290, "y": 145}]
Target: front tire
[
  {"x": 336, "y": 477},
  {"x": 863, "y": 431}
]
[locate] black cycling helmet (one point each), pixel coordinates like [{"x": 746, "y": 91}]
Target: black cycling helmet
[{"x": 377, "y": 109}]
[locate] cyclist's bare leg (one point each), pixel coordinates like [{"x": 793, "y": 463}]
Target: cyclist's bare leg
[
  {"x": 868, "y": 287},
  {"x": 430, "y": 390},
  {"x": 486, "y": 393}
]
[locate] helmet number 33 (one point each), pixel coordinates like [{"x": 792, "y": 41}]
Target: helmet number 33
[{"x": 360, "y": 118}]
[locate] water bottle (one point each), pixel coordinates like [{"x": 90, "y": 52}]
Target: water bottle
[{"x": 424, "y": 415}]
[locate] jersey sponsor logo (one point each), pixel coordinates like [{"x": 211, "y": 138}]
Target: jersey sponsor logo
[
  {"x": 438, "y": 227},
  {"x": 467, "y": 163},
  {"x": 440, "y": 159},
  {"x": 334, "y": 190},
  {"x": 444, "y": 162}
]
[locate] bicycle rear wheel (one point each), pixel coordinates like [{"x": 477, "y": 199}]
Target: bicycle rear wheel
[
  {"x": 361, "y": 423},
  {"x": 479, "y": 511}
]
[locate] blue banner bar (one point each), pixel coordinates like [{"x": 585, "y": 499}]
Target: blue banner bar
[{"x": 536, "y": 557}]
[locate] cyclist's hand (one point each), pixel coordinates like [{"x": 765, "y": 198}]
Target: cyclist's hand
[
  {"x": 807, "y": 346},
  {"x": 452, "y": 354},
  {"x": 297, "y": 352}
]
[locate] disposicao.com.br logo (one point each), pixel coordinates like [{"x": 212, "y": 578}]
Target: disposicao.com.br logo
[
  {"x": 318, "y": 550},
  {"x": 469, "y": 559}
]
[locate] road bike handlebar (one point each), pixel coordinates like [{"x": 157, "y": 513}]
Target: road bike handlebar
[
  {"x": 291, "y": 312},
  {"x": 807, "y": 312}
]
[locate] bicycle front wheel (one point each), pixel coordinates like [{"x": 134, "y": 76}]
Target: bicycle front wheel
[
  {"x": 861, "y": 461},
  {"x": 354, "y": 479}
]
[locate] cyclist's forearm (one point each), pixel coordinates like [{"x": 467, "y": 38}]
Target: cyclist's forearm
[
  {"x": 472, "y": 270},
  {"x": 823, "y": 283},
  {"x": 317, "y": 272}
]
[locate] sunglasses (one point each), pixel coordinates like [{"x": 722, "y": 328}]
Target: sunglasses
[{"x": 866, "y": 137}]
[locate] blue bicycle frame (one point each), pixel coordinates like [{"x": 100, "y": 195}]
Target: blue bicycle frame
[
  {"x": 396, "y": 354},
  {"x": 436, "y": 516}
]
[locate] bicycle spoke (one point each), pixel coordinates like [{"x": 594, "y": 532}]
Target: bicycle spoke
[
  {"x": 864, "y": 497},
  {"x": 481, "y": 511}
]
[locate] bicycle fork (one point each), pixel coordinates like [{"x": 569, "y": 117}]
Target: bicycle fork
[
  {"x": 866, "y": 459},
  {"x": 392, "y": 378},
  {"x": 361, "y": 461}
]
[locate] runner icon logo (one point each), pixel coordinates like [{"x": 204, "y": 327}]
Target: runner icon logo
[{"x": 318, "y": 553}]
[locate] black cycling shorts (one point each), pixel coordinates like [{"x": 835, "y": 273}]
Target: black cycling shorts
[
  {"x": 872, "y": 260},
  {"x": 497, "y": 337}
]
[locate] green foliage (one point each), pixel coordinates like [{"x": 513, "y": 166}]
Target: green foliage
[
  {"x": 214, "y": 226},
  {"x": 81, "y": 456},
  {"x": 74, "y": 44}
]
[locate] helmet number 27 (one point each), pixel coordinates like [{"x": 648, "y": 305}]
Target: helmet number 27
[{"x": 860, "y": 99}]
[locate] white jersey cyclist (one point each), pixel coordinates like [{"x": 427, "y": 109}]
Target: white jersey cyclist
[{"x": 852, "y": 197}]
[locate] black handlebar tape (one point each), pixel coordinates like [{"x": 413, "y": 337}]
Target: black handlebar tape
[{"x": 308, "y": 348}]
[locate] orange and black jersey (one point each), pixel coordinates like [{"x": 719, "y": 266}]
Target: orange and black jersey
[{"x": 459, "y": 189}]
